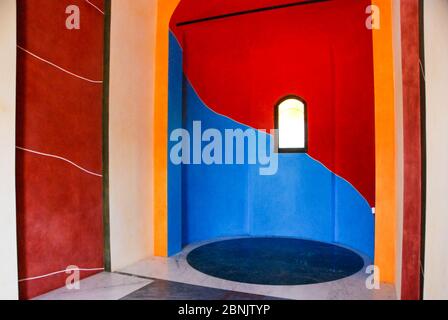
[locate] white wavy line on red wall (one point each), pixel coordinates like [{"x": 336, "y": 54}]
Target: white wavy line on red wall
[
  {"x": 60, "y": 158},
  {"x": 95, "y": 6},
  {"x": 60, "y": 68},
  {"x": 58, "y": 272}
]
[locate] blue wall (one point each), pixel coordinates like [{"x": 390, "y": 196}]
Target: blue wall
[{"x": 175, "y": 102}]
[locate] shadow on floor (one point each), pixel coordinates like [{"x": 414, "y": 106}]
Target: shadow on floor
[{"x": 168, "y": 290}]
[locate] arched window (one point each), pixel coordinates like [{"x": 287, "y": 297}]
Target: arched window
[{"x": 291, "y": 125}]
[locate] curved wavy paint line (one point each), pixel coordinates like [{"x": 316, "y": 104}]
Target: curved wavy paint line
[
  {"x": 60, "y": 68},
  {"x": 98, "y": 9},
  {"x": 60, "y": 158},
  {"x": 322, "y": 206},
  {"x": 265, "y": 132},
  {"x": 58, "y": 272},
  {"x": 269, "y": 134}
]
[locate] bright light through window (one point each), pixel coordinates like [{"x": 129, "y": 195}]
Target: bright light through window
[{"x": 291, "y": 124}]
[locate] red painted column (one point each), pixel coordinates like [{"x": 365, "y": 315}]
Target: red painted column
[
  {"x": 412, "y": 220},
  {"x": 59, "y": 143}
]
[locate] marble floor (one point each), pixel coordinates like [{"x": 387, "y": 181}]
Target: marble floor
[
  {"x": 116, "y": 286},
  {"x": 173, "y": 278},
  {"x": 169, "y": 290},
  {"x": 103, "y": 286}
]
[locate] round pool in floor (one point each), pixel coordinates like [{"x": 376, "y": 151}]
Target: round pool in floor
[{"x": 275, "y": 261}]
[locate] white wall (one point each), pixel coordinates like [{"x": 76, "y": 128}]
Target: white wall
[
  {"x": 396, "y": 14},
  {"x": 8, "y": 246},
  {"x": 131, "y": 130},
  {"x": 436, "y": 51}
]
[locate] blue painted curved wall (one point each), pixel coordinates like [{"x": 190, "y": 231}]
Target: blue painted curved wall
[{"x": 304, "y": 199}]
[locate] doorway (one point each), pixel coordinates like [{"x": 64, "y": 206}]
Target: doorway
[{"x": 229, "y": 73}]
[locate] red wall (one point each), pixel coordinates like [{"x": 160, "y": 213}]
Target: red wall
[
  {"x": 60, "y": 115},
  {"x": 321, "y": 52},
  {"x": 412, "y": 131}
]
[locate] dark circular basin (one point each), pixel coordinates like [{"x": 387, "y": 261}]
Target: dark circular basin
[{"x": 275, "y": 261}]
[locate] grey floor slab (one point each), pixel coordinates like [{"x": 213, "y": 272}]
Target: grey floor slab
[
  {"x": 168, "y": 290},
  {"x": 103, "y": 286}
]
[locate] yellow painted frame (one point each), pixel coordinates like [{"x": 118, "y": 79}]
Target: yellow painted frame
[
  {"x": 165, "y": 9},
  {"x": 385, "y": 137}
]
